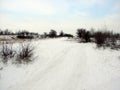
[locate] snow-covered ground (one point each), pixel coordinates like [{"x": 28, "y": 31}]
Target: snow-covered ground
[{"x": 63, "y": 64}]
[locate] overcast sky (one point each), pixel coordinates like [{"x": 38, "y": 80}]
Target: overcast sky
[{"x": 67, "y": 15}]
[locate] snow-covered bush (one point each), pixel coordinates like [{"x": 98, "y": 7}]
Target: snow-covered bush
[
  {"x": 7, "y": 52},
  {"x": 20, "y": 54},
  {"x": 25, "y": 53}
]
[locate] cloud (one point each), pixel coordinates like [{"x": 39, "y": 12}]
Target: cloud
[
  {"x": 112, "y": 22},
  {"x": 28, "y": 6},
  {"x": 116, "y": 7},
  {"x": 46, "y": 7},
  {"x": 68, "y": 15}
]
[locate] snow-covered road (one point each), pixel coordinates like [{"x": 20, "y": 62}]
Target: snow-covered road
[{"x": 65, "y": 65}]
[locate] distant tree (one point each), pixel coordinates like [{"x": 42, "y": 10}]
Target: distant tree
[
  {"x": 92, "y": 32},
  {"x": 87, "y": 36},
  {"x": 68, "y": 35},
  {"x": 83, "y": 34},
  {"x": 100, "y": 38},
  {"x": 6, "y": 32},
  {"x": 25, "y": 35},
  {"x": 61, "y": 34},
  {"x": 45, "y": 35},
  {"x": 52, "y": 34},
  {"x": 1, "y": 32}
]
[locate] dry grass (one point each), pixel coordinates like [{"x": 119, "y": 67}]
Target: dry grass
[{"x": 13, "y": 40}]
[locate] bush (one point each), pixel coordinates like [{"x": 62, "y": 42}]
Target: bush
[
  {"x": 24, "y": 37},
  {"x": 7, "y": 52},
  {"x": 83, "y": 34},
  {"x": 87, "y": 36},
  {"x": 100, "y": 38},
  {"x": 61, "y": 34},
  {"x": 52, "y": 34},
  {"x": 68, "y": 35},
  {"x": 25, "y": 53}
]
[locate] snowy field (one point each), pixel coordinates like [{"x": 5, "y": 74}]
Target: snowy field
[{"x": 62, "y": 64}]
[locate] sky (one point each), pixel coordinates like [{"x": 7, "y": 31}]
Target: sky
[{"x": 67, "y": 15}]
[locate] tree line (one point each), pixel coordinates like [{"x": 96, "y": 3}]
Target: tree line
[
  {"x": 101, "y": 38},
  {"x": 54, "y": 34},
  {"x": 23, "y": 34}
]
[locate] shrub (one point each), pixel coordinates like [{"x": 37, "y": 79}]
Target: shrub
[
  {"x": 24, "y": 37},
  {"x": 100, "y": 38},
  {"x": 45, "y": 35},
  {"x": 25, "y": 53},
  {"x": 68, "y": 35},
  {"x": 61, "y": 34},
  {"x": 87, "y": 36},
  {"x": 52, "y": 34},
  {"x": 83, "y": 34},
  {"x": 7, "y": 52}
]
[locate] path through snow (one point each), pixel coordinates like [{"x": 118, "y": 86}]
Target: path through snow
[{"x": 65, "y": 65}]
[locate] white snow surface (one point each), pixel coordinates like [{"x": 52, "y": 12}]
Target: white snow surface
[{"x": 62, "y": 64}]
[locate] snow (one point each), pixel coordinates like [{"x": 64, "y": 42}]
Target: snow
[{"x": 62, "y": 64}]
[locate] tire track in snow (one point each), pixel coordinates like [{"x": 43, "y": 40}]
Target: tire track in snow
[
  {"x": 58, "y": 59},
  {"x": 61, "y": 74},
  {"x": 65, "y": 74},
  {"x": 77, "y": 80}
]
